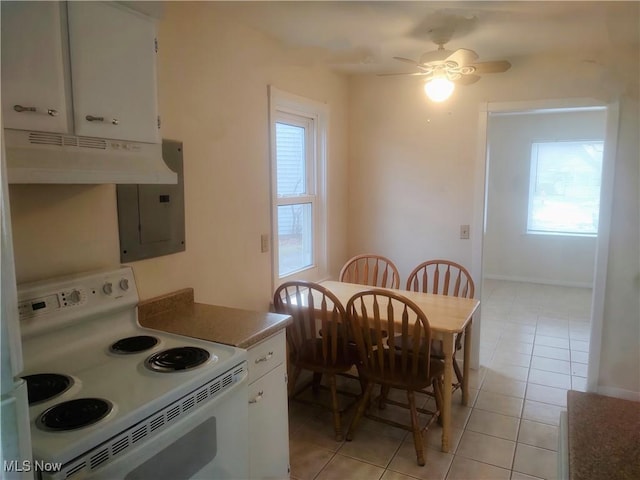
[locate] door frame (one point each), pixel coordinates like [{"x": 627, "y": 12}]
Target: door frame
[{"x": 606, "y": 203}]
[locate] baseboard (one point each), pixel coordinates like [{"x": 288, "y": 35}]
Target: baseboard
[
  {"x": 542, "y": 281},
  {"x": 619, "y": 393}
]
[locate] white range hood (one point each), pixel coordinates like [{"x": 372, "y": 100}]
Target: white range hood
[{"x": 40, "y": 157}]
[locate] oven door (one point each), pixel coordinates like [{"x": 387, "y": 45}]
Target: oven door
[{"x": 211, "y": 442}]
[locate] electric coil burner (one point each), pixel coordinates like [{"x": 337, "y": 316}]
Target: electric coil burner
[
  {"x": 99, "y": 407},
  {"x": 73, "y": 414},
  {"x": 138, "y": 343},
  {"x": 45, "y": 386},
  {"x": 174, "y": 359}
]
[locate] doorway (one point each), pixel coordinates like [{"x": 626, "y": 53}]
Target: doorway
[{"x": 516, "y": 259}]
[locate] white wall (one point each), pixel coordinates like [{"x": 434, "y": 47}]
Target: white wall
[
  {"x": 509, "y": 252},
  {"x": 411, "y": 172},
  {"x": 619, "y": 372},
  {"x": 213, "y": 77}
]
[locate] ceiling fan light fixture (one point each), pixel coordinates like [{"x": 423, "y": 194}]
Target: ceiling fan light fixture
[{"x": 439, "y": 88}]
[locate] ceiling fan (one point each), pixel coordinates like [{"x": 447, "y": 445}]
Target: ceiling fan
[
  {"x": 459, "y": 67},
  {"x": 444, "y": 69}
]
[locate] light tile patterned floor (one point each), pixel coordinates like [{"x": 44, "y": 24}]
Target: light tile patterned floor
[{"x": 534, "y": 347}]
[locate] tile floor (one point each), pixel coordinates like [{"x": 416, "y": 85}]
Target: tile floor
[{"x": 534, "y": 347}]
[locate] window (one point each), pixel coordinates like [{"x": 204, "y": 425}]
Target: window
[
  {"x": 564, "y": 189},
  {"x": 298, "y": 164}
]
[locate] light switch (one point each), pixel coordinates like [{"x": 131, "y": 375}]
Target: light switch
[{"x": 464, "y": 232}]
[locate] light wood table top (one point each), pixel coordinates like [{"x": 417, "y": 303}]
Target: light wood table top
[{"x": 446, "y": 314}]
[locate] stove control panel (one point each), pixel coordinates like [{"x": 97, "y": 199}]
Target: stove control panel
[
  {"x": 61, "y": 300},
  {"x": 54, "y": 301}
]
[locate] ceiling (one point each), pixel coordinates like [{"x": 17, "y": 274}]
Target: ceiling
[{"x": 361, "y": 37}]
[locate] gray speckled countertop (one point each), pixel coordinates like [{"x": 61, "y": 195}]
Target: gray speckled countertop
[
  {"x": 178, "y": 313},
  {"x": 604, "y": 437}
]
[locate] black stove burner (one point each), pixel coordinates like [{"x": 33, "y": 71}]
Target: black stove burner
[
  {"x": 180, "y": 358},
  {"x": 135, "y": 344},
  {"x": 43, "y": 386},
  {"x": 74, "y": 414}
]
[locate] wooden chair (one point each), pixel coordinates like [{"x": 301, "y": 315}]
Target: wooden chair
[
  {"x": 404, "y": 363},
  {"x": 443, "y": 277},
  {"x": 315, "y": 338},
  {"x": 372, "y": 270}
]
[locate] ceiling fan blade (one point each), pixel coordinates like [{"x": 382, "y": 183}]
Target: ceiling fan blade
[
  {"x": 406, "y": 60},
  {"x": 397, "y": 74},
  {"x": 466, "y": 79},
  {"x": 463, "y": 57},
  {"x": 491, "y": 67}
]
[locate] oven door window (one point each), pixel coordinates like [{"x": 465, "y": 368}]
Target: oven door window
[{"x": 183, "y": 458}]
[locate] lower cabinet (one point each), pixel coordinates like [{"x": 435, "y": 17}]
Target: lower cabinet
[{"x": 268, "y": 409}]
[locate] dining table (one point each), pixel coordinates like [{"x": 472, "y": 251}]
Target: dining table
[{"x": 448, "y": 316}]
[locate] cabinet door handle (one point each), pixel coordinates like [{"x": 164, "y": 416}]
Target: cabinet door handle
[
  {"x": 265, "y": 358},
  {"x": 91, "y": 118},
  {"x": 50, "y": 111},
  {"x": 20, "y": 109},
  {"x": 258, "y": 397}
]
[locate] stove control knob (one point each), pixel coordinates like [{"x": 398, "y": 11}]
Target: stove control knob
[
  {"x": 107, "y": 288},
  {"x": 124, "y": 284},
  {"x": 73, "y": 296}
]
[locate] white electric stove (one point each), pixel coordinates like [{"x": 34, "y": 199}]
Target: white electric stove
[{"x": 110, "y": 399}]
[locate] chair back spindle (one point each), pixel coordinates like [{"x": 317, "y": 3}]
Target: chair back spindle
[
  {"x": 372, "y": 270},
  {"x": 314, "y": 309},
  {"x": 441, "y": 277},
  {"x": 405, "y": 354}
]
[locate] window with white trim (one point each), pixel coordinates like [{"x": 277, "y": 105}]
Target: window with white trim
[
  {"x": 564, "y": 188},
  {"x": 298, "y": 136}
]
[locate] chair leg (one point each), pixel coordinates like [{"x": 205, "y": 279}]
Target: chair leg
[
  {"x": 335, "y": 407},
  {"x": 363, "y": 383},
  {"x": 384, "y": 393},
  {"x": 415, "y": 426},
  {"x": 293, "y": 380},
  {"x": 456, "y": 369},
  {"x": 437, "y": 394},
  {"x": 315, "y": 386},
  {"x": 360, "y": 411}
]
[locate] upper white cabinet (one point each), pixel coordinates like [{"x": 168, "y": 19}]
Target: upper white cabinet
[
  {"x": 113, "y": 68},
  {"x": 99, "y": 83},
  {"x": 35, "y": 80}
]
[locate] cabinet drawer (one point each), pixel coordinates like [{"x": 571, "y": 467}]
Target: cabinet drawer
[{"x": 266, "y": 355}]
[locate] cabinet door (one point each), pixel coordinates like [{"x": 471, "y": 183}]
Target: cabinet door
[
  {"x": 113, "y": 67},
  {"x": 269, "y": 426},
  {"x": 35, "y": 80}
]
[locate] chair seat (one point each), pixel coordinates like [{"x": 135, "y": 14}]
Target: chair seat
[
  {"x": 437, "y": 350},
  {"x": 311, "y": 358},
  {"x": 404, "y": 380}
]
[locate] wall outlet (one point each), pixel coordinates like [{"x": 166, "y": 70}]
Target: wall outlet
[
  {"x": 264, "y": 243},
  {"x": 464, "y": 232}
]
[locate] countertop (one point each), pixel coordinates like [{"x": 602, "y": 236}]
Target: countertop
[
  {"x": 604, "y": 437},
  {"x": 178, "y": 313}
]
